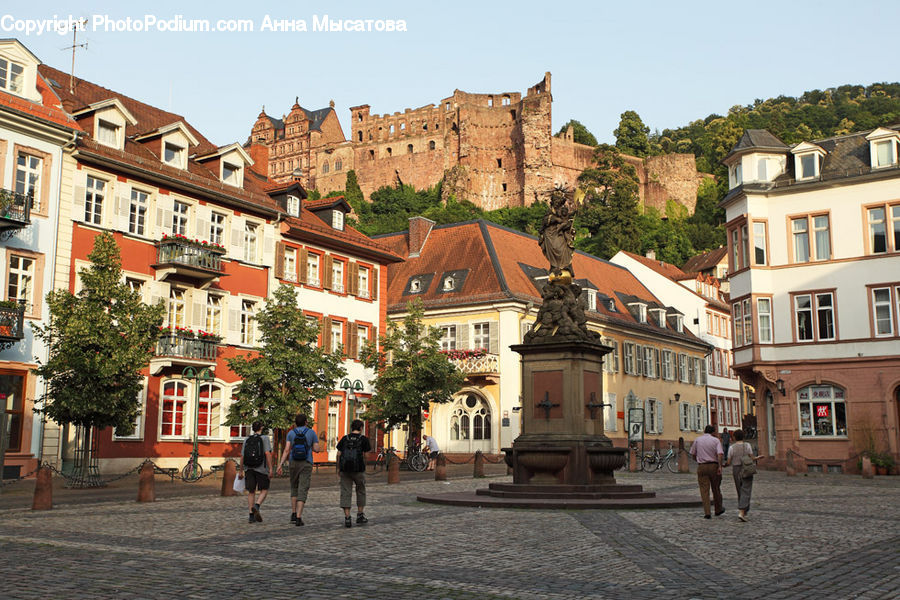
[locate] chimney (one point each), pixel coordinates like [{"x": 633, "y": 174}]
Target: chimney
[
  {"x": 419, "y": 228},
  {"x": 651, "y": 254}
]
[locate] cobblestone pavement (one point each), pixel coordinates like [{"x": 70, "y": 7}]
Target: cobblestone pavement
[{"x": 831, "y": 537}]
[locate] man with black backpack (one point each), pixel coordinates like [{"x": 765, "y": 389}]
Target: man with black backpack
[
  {"x": 351, "y": 464},
  {"x": 302, "y": 441},
  {"x": 256, "y": 465}
]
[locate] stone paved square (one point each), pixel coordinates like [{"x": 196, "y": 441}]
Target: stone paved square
[{"x": 834, "y": 536}]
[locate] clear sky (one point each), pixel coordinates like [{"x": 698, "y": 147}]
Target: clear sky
[{"x": 672, "y": 62}]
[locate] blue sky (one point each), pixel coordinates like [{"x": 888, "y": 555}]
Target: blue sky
[{"x": 672, "y": 62}]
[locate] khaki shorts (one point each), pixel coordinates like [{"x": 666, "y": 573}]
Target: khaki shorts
[{"x": 301, "y": 471}]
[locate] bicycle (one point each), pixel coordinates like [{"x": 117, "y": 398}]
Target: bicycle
[
  {"x": 193, "y": 470},
  {"x": 653, "y": 461},
  {"x": 416, "y": 460}
]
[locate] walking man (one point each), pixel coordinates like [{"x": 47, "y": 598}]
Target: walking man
[
  {"x": 707, "y": 451},
  {"x": 433, "y": 450},
  {"x": 351, "y": 464},
  {"x": 256, "y": 466},
  {"x": 302, "y": 441}
]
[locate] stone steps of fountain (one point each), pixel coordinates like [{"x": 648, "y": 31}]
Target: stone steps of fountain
[{"x": 565, "y": 495}]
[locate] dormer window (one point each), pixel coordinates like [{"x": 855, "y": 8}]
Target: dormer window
[
  {"x": 807, "y": 161},
  {"x": 449, "y": 283},
  {"x": 679, "y": 323},
  {"x": 809, "y": 166},
  {"x": 415, "y": 286},
  {"x": 108, "y": 133},
  {"x": 232, "y": 174},
  {"x": 293, "y": 206},
  {"x": 592, "y": 299},
  {"x": 337, "y": 219},
  {"x": 885, "y": 153},
  {"x": 639, "y": 309},
  {"x": 174, "y": 155},
  {"x": 12, "y": 76},
  {"x": 660, "y": 314}
]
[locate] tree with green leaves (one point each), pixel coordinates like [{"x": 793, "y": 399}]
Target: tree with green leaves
[
  {"x": 411, "y": 372},
  {"x": 632, "y": 136},
  {"x": 352, "y": 192},
  {"x": 580, "y": 133},
  {"x": 98, "y": 342},
  {"x": 287, "y": 372},
  {"x": 610, "y": 213}
]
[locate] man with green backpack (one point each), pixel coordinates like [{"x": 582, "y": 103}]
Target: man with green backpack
[
  {"x": 302, "y": 441},
  {"x": 351, "y": 463}
]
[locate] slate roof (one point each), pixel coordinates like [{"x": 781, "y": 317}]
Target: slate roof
[
  {"x": 705, "y": 261},
  {"x": 501, "y": 264},
  {"x": 758, "y": 139},
  {"x": 317, "y": 117}
]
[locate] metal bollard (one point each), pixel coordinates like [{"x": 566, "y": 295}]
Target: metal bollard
[
  {"x": 478, "y": 471},
  {"x": 228, "y": 476},
  {"x": 43, "y": 490},
  {"x": 440, "y": 468},
  {"x": 393, "y": 469},
  {"x": 147, "y": 484}
]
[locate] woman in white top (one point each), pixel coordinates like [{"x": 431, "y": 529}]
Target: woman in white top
[{"x": 744, "y": 485}]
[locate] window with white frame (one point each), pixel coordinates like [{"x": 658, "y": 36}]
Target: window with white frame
[
  {"x": 684, "y": 416},
  {"x": 885, "y": 153},
  {"x": 883, "y": 311},
  {"x": 137, "y": 212},
  {"x": 363, "y": 282},
  {"x": 174, "y": 409},
  {"x": 814, "y": 315},
  {"x": 737, "y": 312},
  {"x": 362, "y": 338},
  {"x": 94, "y": 193},
  {"x": 176, "y": 308},
  {"x": 214, "y": 314},
  {"x": 717, "y": 363},
  {"x": 337, "y": 219},
  {"x": 825, "y": 316},
  {"x": 628, "y": 358},
  {"x": 135, "y": 285},
  {"x": 759, "y": 243},
  {"x": 237, "y": 432},
  {"x": 293, "y": 206},
  {"x": 884, "y": 228},
  {"x": 290, "y": 263},
  {"x": 745, "y": 245},
  {"x": 180, "y": 217},
  {"x": 650, "y": 358},
  {"x": 28, "y": 178},
  {"x": 251, "y": 241},
  {"x": 448, "y": 337},
  {"x": 337, "y": 276},
  {"x": 683, "y": 374},
  {"x": 735, "y": 250},
  {"x": 312, "y": 269},
  {"x": 337, "y": 335},
  {"x": 748, "y": 321},
  {"x": 20, "y": 284},
  {"x": 808, "y": 164},
  {"x": 651, "y": 417},
  {"x": 611, "y": 360},
  {"x": 217, "y": 228},
  {"x": 12, "y": 76},
  {"x": 821, "y": 237},
  {"x": 481, "y": 335},
  {"x": 667, "y": 365},
  {"x": 174, "y": 154},
  {"x": 209, "y": 411},
  {"x": 231, "y": 174},
  {"x": 822, "y": 411},
  {"x": 800, "y": 234},
  {"x": 248, "y": 322},
  {"x": 764, "y": 316}
]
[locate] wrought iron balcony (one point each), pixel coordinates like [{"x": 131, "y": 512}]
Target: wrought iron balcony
[
  {"x": 485, "y": 364},
  {"x": 178, "y": 346},
  {"x": 186, "y": 257},
  {"x": 12, "y": 322},
  {"x": 15, "y": 210}
]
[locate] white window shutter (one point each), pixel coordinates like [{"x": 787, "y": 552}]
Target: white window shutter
[
  {"x": 79, "y": 183},
  {"x": 704, "y": 417},
  {"x": 204, "y": 215},
  {"x": 237, "y": 237},
  {"x": 159, "y": 292},
  {"x": 234, "y": 320},
  {"x": 659, "y": 416},
  {"x": 165, "y": 206},
  {"x": 494, "y": 337},
  {"x": 122, "y": 206},
  {"x": 638, "y": 359},
  {"x": 647, "y": 416},
  {"x": 268, "y": 244},
  {"x": 462, "y": 336},
  {"x": 199, "y": 308}
]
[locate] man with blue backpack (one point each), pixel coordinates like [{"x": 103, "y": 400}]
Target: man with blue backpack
[{"x": 302, "y": 441}]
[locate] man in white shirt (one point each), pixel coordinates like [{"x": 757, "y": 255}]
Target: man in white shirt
[{"x": 433, "y": 450}]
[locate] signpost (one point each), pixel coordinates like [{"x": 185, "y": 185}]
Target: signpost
[{"x": 193, "y": 471}]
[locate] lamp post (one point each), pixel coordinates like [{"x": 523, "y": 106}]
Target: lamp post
[{"x": 192, "y": 470}]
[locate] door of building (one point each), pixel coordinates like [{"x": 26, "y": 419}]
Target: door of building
[
  {"x": 334, "y": 413},
  {"x": 770, "y": 422}
]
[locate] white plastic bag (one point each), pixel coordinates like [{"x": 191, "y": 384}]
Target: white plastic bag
[{"x": 239, "y": 485}]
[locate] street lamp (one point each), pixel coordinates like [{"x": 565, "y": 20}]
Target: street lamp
[
  {"x": 192, "y": 470},
  {"x": 779, "y": 385}
]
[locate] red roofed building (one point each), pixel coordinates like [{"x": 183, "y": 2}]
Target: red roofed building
[
  {"x": 33, "y": 131},
  {"x": 480, "y": 284}
]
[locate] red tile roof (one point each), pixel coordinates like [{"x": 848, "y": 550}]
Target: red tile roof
[
  {"x": 493, "y": 257},
  {"x": 49, "y": 109},
  {"x": 663, "y": 268},
  {"x": 309, "y": 227},
  {"x": 705, "y": 261}
]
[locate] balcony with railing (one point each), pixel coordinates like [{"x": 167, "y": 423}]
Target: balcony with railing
[
  {"x": 12, "y": 322},
  {"x": 15, "y": 210},
  {"x": 183, "y": 256},
  {"x": 474, "y": 362},
  {"x": 184, "y": 348}
]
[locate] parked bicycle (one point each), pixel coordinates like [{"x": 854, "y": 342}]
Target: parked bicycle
[
  {"x": 653, "y": 461},
  {"x": 416, "y": 460},
  {"x": 193, "y": 470}
]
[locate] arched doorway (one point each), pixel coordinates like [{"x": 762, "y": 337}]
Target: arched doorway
[{"x": 471, "y": 424}]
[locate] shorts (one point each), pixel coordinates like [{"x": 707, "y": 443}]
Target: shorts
[
  {"x": 348, "y": 480},
  {"x": 301, "y": 471},
  {"x": 256, "y": 480},
  {"x": 433, "y": 455}
]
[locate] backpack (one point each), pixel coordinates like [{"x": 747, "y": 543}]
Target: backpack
[
  {"x": 254, "y": 454},
  {"x": 351, "y": 459},
  {"x": 300, "y": 447}
]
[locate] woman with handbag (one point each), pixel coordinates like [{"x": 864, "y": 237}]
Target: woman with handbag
[{"x": 743, "y": 468}]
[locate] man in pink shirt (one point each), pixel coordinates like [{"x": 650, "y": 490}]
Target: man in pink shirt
[{"x": 707, "y": 451}]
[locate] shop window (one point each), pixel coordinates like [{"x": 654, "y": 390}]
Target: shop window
[
  {"x": 12, "y": 388},
  {"x": 822, "y": 411}
]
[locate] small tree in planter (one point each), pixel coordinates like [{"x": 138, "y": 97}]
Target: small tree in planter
[{"x": 99, "y": 340}]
